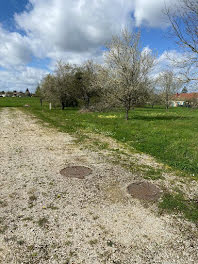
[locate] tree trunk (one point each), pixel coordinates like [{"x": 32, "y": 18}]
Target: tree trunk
[
  {"x": 63, "y": 105},
  {"x": 167, "y": 101},
  {"x": 127, "y": 113},
  {"x": 41, "y": 102},
  {"x": 128, "y": 107},
  {"x": 87, "y": 101}
]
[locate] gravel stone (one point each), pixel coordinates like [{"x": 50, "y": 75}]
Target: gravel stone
[{"x": 45, "y": 218}]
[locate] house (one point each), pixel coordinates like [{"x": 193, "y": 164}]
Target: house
[
  {"x": 184, "y": 99},
  {"x": 2, "y": 94}
]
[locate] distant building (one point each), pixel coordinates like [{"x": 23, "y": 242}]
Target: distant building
[
  {"x": 15, "y": 94},
  {"x": 2, "y": 94},
  {"x": 27, "y": 93},
  {"x": 184, "y": 99}
]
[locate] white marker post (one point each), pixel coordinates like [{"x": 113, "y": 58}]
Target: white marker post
[{"x": 50, "y": 106}]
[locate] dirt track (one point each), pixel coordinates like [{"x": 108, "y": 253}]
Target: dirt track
[{"x": 47, "y": 218}]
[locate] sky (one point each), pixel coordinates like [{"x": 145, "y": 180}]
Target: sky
[{"x": 34, "y": 34}]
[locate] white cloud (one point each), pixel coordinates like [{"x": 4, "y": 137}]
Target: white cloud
[
  {"x": 78, "y": 26},
  {"x": 14, "y": 49},
  {"x": 76, "y": 29},
  {"x": 21, "y": 78},
  {"x": 151, "y": 12},
  {"x": 71, "y": 30},
  {"x": 170, "y": 60}
]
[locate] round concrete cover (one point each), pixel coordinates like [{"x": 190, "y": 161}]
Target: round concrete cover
[
  {"x": 79, "y": 172},
  {"x": 144, "y": 191}
]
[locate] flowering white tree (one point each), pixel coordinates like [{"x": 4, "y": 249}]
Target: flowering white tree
[
  {"x": 169, "y": 85},
  {"x": 129, "y": 67},
  {"x": 58, "y": 88}
]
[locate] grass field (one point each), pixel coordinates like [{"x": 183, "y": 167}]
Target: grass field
[{"x": 170, "y": 136}]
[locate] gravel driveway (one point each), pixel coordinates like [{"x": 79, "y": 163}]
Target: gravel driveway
[{"x": 48, "y": 218}]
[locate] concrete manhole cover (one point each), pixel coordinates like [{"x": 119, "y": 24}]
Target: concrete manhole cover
[
  {"x": 79, "y": 172},
  {"x": 144, "y": 191}
]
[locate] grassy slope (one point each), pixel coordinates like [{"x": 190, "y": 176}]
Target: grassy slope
[{"x": 170, "y": 136}]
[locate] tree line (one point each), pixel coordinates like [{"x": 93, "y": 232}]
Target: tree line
[{"x": 125, "y": 79}]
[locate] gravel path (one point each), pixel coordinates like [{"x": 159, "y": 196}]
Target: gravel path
[{"x": 48, "y": 218}]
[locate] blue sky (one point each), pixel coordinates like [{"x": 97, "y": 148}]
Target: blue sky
[
  {"x": 34, "y": 34},
  {"x": 7, "y": 10},
  {"x": 157, "y": 39}
]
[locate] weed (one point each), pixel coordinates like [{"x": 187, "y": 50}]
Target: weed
[
  {"x": 29, "y": 218},
  {"x": 68, "y": 243},
  {"x": 52, "y": 207},
  {"x": 42, "y": 222},
  {"x": 178, "y": 204},
  {"x": 110, "y": 243},
  {"x": 3, "y": 226},
  {"x": 20, "y": 242},
  {"x": 3, "y": 203},
  {"x": 32, "y": 198},
  {"x": 93, "y": 242},
  {"x": 153, "y": 174}
]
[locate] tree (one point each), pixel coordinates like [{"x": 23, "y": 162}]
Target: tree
[
  {"x": 48, "y": 88},
  {"x": 184, "y": 28},
  {"x": 184, "y": 90},
  {"x": 58, "y": 88},
  {"x": 193, "y": 102},
  {"x": 85, "y": 80},
  {"x": 129, "y": 69},
  {"x": 38, "y": 93},
  {"x": 27, "y": 93},
  {"x": 64, "y": 77},
  {"x": 169, "y": 85},
  {"x": 154, "y": 98}
]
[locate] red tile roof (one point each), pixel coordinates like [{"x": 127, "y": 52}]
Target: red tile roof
[{"x": 185, "y": 96}]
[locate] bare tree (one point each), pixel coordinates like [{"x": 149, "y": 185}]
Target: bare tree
[
  {"x": 184, "y": 28},
  {"x": 129, "y": 69},
  {"x": 169, "y": 86}
]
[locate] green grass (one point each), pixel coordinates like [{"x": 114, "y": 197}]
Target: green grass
[
  {"x": 169, "y": 136},
  {"x": 18, "y": 102},
  {"x": 177, "y": 203}
]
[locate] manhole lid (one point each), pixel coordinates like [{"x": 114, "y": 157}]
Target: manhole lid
[
  {"x": 144, "y": 191},
  {"x": 79, "y": 172}
]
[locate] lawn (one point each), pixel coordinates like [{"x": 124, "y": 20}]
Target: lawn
[{"x": 169, "y": 136}]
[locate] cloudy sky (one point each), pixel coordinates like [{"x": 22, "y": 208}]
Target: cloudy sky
[{"x": 34, "y": 34}]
